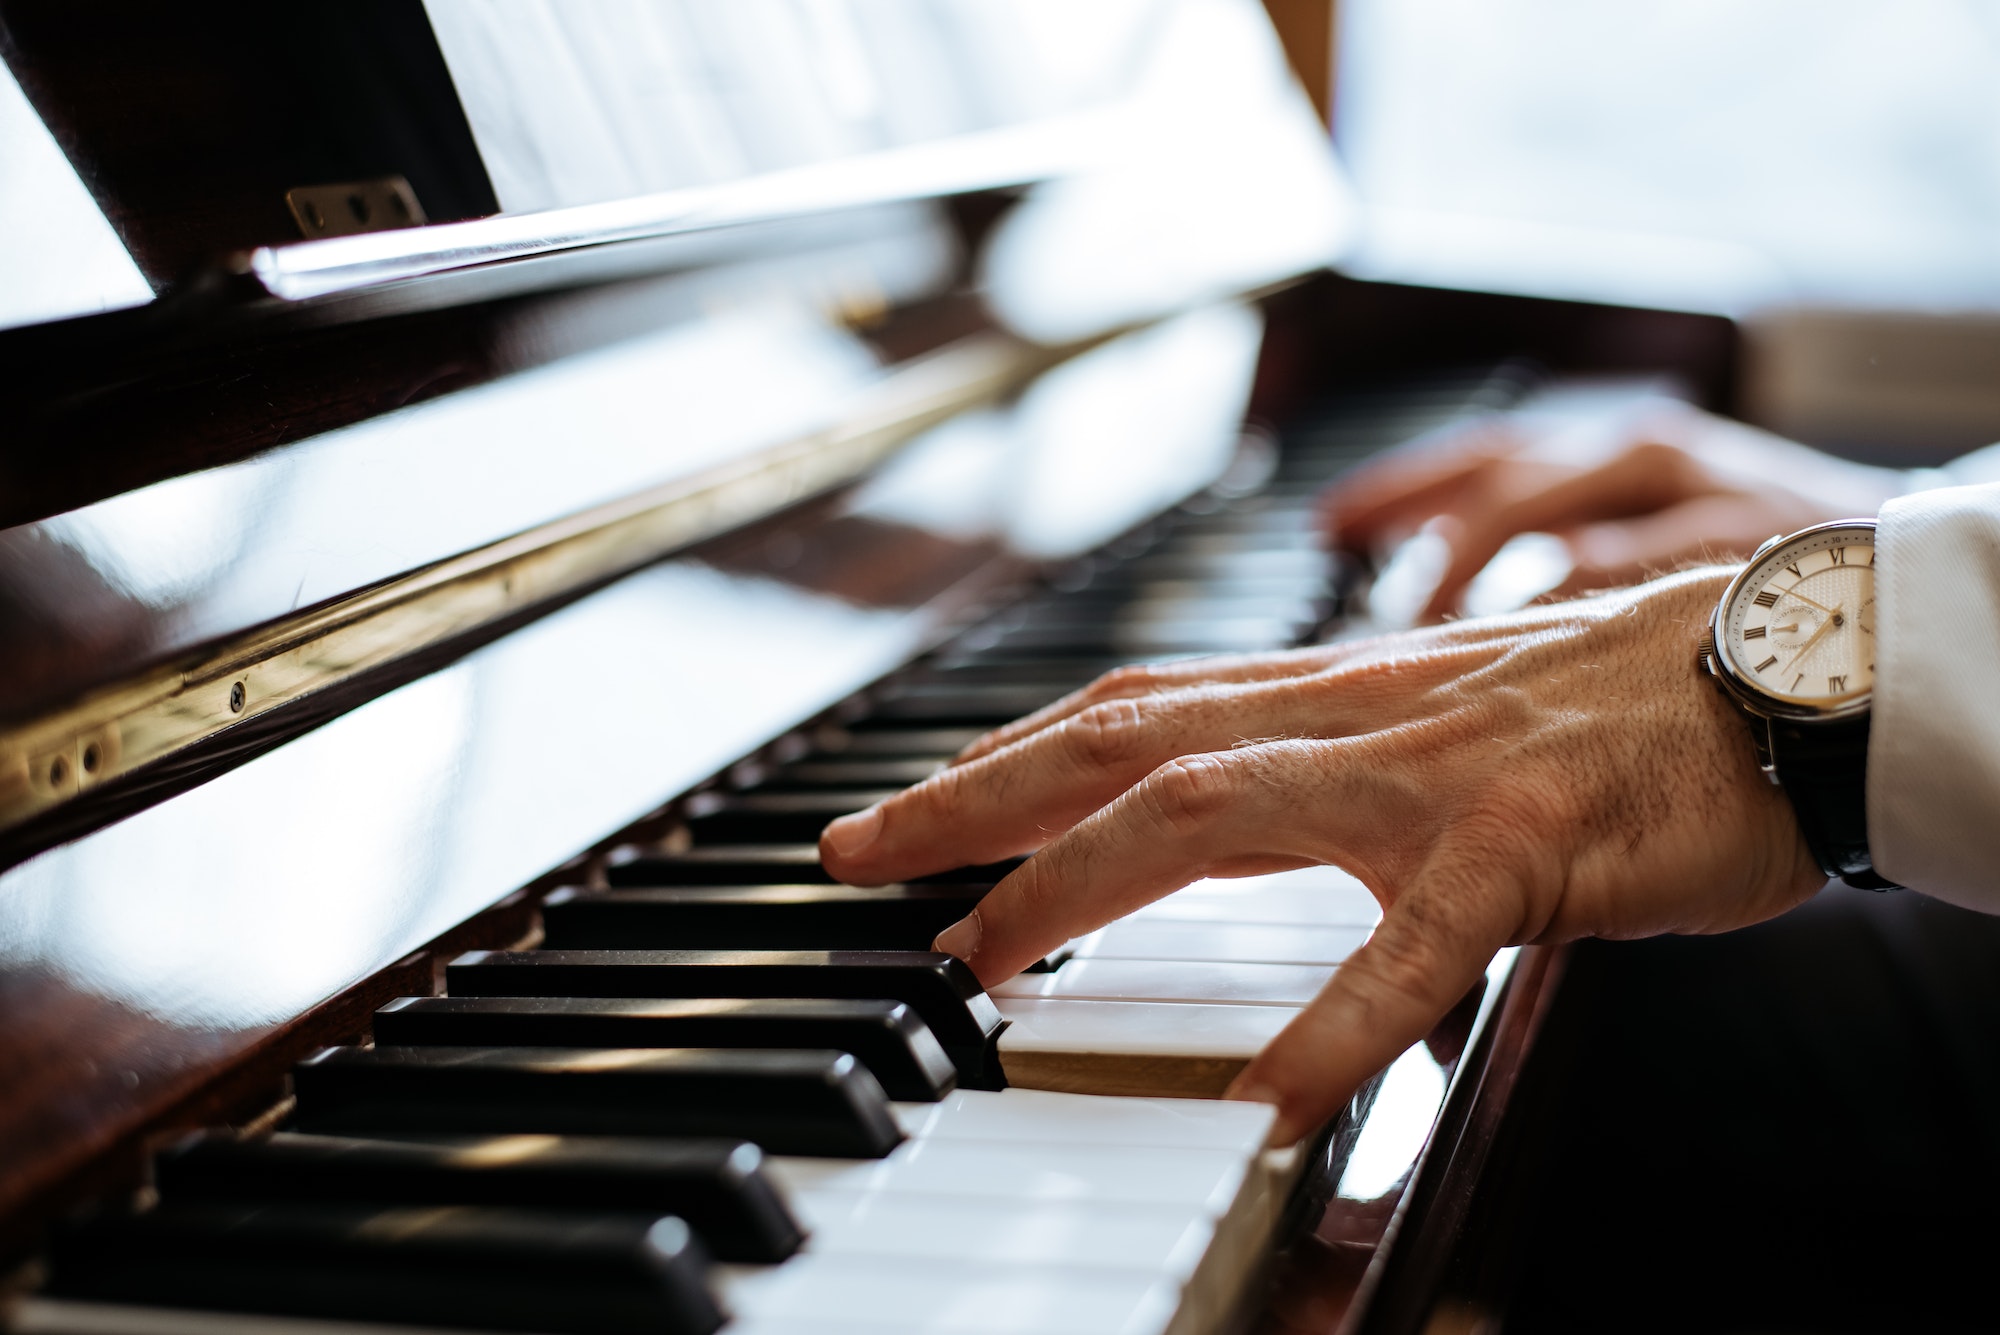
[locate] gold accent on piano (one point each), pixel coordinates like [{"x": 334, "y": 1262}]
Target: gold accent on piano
[{"x": 141, "y": 722}]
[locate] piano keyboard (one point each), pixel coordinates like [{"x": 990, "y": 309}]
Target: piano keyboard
[{"x": 723, "y": 1089}]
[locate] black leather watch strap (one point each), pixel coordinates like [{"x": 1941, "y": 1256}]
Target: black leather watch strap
[{"x": 1824, "y": 768}]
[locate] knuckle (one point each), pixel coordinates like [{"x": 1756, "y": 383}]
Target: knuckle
[
  {"x": 1408, "y": 961},
  {"x": 1106, "y": 734},
  {"x": 1186, "y": 794},
  {"x": 944, "y": 797},
  {"x": 1033, "y": 887},
  {"x": 1132, "y": 679}
]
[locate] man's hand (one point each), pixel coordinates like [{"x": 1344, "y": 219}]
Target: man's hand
[
  {"x": 1563, "y": 772},
  {"x": 1631, "y": 494}
]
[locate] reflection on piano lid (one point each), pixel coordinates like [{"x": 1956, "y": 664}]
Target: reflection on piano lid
[{"x": 357, "y": 592}]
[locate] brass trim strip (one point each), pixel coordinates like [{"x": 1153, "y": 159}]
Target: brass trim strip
[{"x": 114, "y": 731}]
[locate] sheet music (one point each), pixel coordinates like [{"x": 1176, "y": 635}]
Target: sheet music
[
  {"x": 58, "y": 254},
  {"x": 574, "y": 104}
]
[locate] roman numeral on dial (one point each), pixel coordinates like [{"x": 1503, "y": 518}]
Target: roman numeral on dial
[
  {"x": 1766, "y": 663},
  {"x": 1754, "y": 633},
  {"x": 1836, "y": 683},
  {"x": 1768, "y": 598}
]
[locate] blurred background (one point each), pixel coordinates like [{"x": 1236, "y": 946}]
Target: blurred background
[{"x": 1828, "y": 171}]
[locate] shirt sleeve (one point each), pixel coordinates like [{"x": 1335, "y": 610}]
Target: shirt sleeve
[{"x": 1934, "y": 748}]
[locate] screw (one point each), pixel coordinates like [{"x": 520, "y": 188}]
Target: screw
[
  {"x": 91, "y": 757},
  {"x": 237, "y": 697},
  {"x": 58, "y": 771}
]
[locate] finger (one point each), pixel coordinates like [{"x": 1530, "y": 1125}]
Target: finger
[
  {"x": 1263, "y": 808},
  {"x": 1707, "y": 528},
  {"x": 1432, "y": 945},
  {"x": 1019, "y": 798},
  {"x": 1412, "y": 482},
  {"x": 1140, "y": 680},
  {"x": 1016, "y": 799},
  {"x": 1634, "y": 481}
]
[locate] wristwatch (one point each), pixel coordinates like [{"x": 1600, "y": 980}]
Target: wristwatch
[{"x": 1792, "y": 644}]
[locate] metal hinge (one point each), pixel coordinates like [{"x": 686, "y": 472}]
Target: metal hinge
[{"x": 347, "y": 207}]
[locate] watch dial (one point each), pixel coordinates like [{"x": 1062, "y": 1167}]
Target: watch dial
[{"x": 1802, "y": 625}]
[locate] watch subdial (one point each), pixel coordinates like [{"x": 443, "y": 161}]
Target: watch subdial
[
  {"x": 1793, "y": 623},
  {"x": 1864, "y": 617}
]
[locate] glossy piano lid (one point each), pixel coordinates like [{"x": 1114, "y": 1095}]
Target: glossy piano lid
[
  {"x": 186, "y": 934},
  {"x": 135, "y": 960},
  {"x": 147, "y": 574}
]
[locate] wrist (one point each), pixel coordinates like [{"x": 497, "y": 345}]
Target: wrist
[{"x": 1791, "y": 646}]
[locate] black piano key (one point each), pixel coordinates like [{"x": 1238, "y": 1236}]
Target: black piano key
[
  {"x": 718, "y": 1186},
  {"x": 1294, "y": 562},
  {"x": 885, "y": 1036},
  {"x": 755, "y": 917},
  {"x": 866, "y": 739},
  {"x": 940, "y": 989},
  {"x": 991, "y": 704},
  {"x": 1138, "y": 605},
  {"x": 762, "y": 917},
  {"x": 1063, "y": 673},
  {"x": 890, "y": 772},
  {"x": 1156, "y": 638},
  {"x": 457, "y": 1266},
  {"x": 766, "y": 864},
  {"x": 797, "y": 1102},
  {"x": 759, "y": 817}
]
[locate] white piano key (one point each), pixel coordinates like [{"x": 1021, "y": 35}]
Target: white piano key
[
  {"x": 1138, "y": 1029},
  {"x": 1151, "y": 1239},
  {"x": 1040, "y": 1117},
  {"x": 962, "y": 1169},
  {"x": 1173, "y": 980},
  {"x": 1312, "y": 896},
  {"x": 1221, "y": 942},
  {"x": 813, "y": 1294}
]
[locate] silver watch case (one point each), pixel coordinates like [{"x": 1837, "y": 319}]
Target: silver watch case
[{"x": 1752, "y": 699}]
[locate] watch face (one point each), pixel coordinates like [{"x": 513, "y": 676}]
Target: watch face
[{"x": 1800, "y": 624}]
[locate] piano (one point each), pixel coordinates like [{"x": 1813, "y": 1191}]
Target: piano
[{"x": 484, "y": 485}]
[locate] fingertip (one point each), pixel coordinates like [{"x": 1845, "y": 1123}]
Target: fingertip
[
  {"x": 1290, "y": 1123},
  {"x": 852, "y": 835},
  {"x": 961, "y": 939}
]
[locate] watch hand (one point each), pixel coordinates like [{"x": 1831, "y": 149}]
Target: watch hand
[
  {"x": 1833, "y": 619},
  {"x": 1794, "y": 593}
]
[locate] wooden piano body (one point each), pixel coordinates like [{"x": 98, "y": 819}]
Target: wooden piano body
[{"x": 358, "y": 592}]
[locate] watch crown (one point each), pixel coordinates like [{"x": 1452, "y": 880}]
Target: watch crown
[{"x": 1706, "y": 651}]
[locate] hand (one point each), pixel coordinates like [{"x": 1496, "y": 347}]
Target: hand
[
  {"x": 1566, "y": 771},
  {"x": 1633, "y": 494}
]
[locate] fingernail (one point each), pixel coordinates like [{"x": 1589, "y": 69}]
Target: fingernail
[
  {"x": 1249, "y": 1091},
  {"x": 851, "y": 834},
  {"x": 961, "y": 938},
  {"x": 1282, "y": 1132}
]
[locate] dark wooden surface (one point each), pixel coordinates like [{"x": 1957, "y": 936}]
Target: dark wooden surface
[
  {"x": 63, "y": 1137},
  {"x": 92, "y": 1081},
  {"x": 188, "y": 125},
  {"x": 1373, "y": 1267}
]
